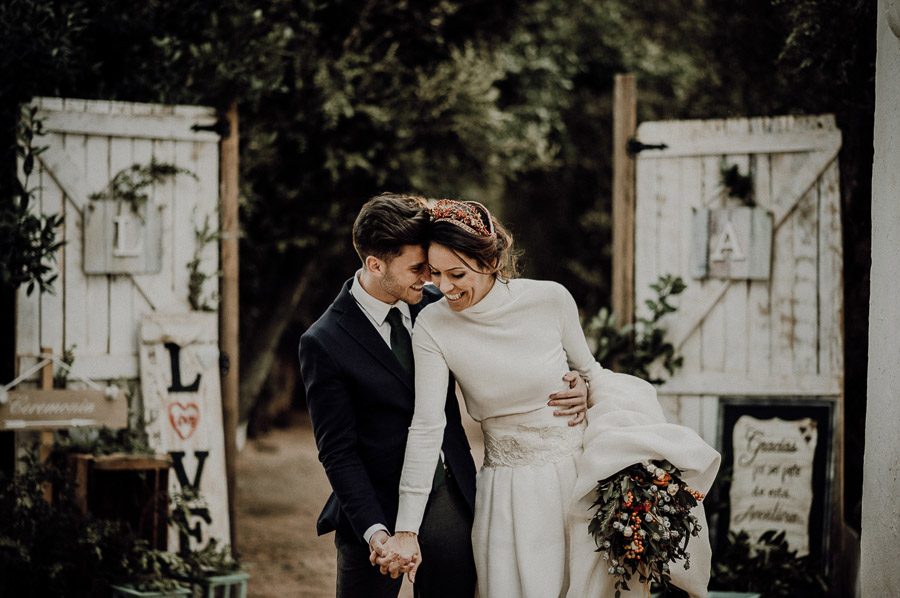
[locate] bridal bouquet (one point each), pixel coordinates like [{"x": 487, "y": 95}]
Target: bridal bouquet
[{"x": 643, "y": 522}]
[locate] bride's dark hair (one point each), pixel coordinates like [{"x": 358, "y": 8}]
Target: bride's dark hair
[{"x": 488, "y": 242}]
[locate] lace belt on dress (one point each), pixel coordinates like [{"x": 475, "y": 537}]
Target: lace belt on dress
[{"x": 529, "y": 439}]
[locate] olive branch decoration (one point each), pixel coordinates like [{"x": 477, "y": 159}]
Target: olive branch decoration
[
  {"x": 132, "y": 185},
  {"x": 28, "y": 241},
  {"x": 204, "y": 234}
]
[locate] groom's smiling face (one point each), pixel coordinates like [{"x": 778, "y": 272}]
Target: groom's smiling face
[{"x": 405, "y": 275}]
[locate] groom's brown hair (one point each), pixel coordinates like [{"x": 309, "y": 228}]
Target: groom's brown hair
[{"x": 389, "y": 221}]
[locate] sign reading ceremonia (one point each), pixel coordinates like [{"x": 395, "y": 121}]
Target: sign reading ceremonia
[
  {"x": 183, "y": 416},
  {"x": 772, "y": 486},
  {"x": 35, "y": 409}
]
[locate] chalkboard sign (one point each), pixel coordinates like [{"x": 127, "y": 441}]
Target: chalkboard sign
[{"x": 776, "y": 458}]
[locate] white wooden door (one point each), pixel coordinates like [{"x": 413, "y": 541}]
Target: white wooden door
[
  {"x": 88, "y": 142},
  {"x": 777, "y": 337},
  {"x": 100, "y": 315}
]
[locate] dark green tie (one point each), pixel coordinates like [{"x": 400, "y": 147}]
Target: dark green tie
[{"x": 401, "y": 344}]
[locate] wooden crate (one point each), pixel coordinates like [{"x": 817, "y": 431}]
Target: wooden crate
[{"x": 129, "y": 488}]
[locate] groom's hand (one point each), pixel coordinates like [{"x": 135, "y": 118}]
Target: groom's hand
[
  {"x": 572, "y": 401},
  {"x": 401, "y": 556},
  {"x": 376, "y": 545}
]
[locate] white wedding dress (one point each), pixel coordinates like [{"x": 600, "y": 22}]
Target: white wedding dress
[{"x": 508, "y": 353}]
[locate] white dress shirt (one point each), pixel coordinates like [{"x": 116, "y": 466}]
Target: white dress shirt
[{"x": 376, "y": 311}]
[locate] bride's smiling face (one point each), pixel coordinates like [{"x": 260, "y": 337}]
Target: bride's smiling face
[{"x": 458, "y": 277}]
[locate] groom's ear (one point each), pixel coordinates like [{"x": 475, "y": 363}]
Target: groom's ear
[{"x": 374, "y": 265}]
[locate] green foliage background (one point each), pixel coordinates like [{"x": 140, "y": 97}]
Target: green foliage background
[{"x": 506, "y": 102}]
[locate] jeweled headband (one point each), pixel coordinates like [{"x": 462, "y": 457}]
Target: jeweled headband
[{"x": 464, "y": 214}]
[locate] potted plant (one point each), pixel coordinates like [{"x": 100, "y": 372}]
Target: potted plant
[
  {"x": 56, "y": 549},
  {"x": 151, "y": 573},
  {"x": 766, "y": 566},
  {"x": 211, "y": 571}
]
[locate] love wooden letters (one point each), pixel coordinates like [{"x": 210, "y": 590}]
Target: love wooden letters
[{"x": 183, "y": 416}]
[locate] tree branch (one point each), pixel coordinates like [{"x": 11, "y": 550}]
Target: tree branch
[{"x": 261, "y": 351}]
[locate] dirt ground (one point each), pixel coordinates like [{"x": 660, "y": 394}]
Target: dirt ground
[{"x": 281, "y": 489}]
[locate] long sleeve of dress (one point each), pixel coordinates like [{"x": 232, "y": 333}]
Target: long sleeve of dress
[
  {"x": 426, "y": 432},
  {"x": 578, "y": 353}
]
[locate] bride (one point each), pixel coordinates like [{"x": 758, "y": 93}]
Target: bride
[{"x": 508, "y": 341}]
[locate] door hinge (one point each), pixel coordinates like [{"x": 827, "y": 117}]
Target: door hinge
[
  {"x": 221, "y": 127},
  {"x": 634, "y": 147}
]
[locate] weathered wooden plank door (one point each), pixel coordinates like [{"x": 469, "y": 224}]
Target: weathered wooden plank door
[
  {"x": 779, "y": 337},
  {"x": 101, "y": 314},
  {"x": 765, "y": 337},
  {"x": 88, "y": 142}
]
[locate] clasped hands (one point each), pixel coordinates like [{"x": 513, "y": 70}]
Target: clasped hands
[{"x": 395, "y": 555}]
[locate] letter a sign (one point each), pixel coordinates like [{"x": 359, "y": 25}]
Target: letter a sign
[
  {"x": 731, "y": 243},
  {"x": 727, "y": 245},
  {"x": 183, "y": 416}
]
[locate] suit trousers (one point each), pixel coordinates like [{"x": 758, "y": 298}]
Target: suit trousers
[{"x": 445, "y": 538}]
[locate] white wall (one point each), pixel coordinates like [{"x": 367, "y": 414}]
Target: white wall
[{"x": 879, "y": 574}]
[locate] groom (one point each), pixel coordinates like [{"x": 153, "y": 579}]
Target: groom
[{"x": 356, "y": 363}]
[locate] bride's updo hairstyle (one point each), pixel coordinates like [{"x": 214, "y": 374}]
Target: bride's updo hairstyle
[{"x": 468, "y": 230}]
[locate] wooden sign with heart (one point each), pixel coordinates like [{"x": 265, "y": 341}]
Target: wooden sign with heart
[{"x": 184, "y": 418}]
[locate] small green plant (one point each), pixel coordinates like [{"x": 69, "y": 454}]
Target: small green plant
[
  {"x": 61, "y": 375},
  {"x": 132, "y": 440},
  {"x": 633, "y": 348},
  {"x": 213, "y": 559},
  {"x": 203, "y": 235},
  {"x": 131, "y": 185},
  {"x": 106, "y": 442},
  {"x": 28, "y": 243},
  {"x": 737, "y": 185},
  {"x": 767, "y": 566},
  {"x": 199, "y": 565},
  {"x": 151, "y": 570}
]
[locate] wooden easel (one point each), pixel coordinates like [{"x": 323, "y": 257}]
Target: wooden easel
[{"x": 47, "y": 436}]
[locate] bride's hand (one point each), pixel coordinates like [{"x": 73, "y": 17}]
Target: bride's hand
[{"x": 401, "y": 555}]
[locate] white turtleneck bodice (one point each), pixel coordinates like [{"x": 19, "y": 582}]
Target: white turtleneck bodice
[{"x": 508, "y": 353}]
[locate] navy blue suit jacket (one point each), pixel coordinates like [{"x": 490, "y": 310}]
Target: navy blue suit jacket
[{"x": 361, "y": 404}]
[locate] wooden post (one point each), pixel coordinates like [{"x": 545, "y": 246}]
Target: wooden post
[
  {"x": 46, "y": 446},
  {"x": 7, "y": 361},
  {"x": 624, "y": 126},
  {"x": 229, "y": 310},
  {"x": 878, "y": 575}
]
